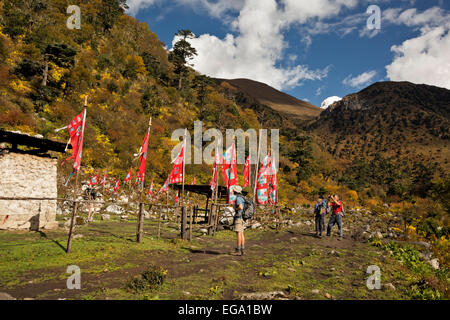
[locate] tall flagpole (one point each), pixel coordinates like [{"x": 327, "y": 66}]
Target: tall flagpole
[
  {"x": 75, "y": 190},
  {"x": 82, "y": 136},
  {"x": 148, "y": 142},
  {"x": 184, "y": 161},
  {"x": 257, "y": 165},
  {"x": 217, "y": 165}
]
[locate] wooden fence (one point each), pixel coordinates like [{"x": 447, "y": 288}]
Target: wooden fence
[{"x": 184, "y": 215}]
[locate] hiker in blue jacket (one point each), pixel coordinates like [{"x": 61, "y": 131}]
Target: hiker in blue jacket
[
  {"x": 238, "y": 219},
  {"x": 320, "y": 211}
]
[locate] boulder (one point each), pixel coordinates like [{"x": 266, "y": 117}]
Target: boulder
[
  {"x": 106, "y": 216},
  {"x": 115, "y": 209},
  {"x": 256, "y": 225},
  {"x": 275, "y": 295},
  {"x": 434, "y": 263},
  {"x": 6, "y": 296},
  {"x": 388, "y": 286},
  {"x": 227, "y": 221}
]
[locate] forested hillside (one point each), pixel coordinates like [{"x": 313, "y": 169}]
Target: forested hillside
[{"x": 46, "y": 70}]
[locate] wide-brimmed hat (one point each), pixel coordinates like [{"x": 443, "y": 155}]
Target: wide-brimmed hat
[{"x": 236, "y": 189}]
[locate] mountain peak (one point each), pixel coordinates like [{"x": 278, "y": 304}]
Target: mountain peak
[
  {"x": 275, "y": 99},
  {"x": 398, "y": 119},
  {"x": 397, "y": 95}
]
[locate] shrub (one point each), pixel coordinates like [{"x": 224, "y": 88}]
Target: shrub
[
  {"x": 430, "y": 227},
  {"x": 150, "y": 279}
]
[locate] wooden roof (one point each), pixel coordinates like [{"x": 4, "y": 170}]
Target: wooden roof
[
  {"x": 204, "y": 190},
  {"x": 40, "y": 145}
]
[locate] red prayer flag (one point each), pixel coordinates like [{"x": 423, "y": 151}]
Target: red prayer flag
[
  {"x": 93, "y": 181},
  {"x": 273, "y": 185},
  {"x": 262, "y": 186},
  {"x": 215, "y": 171},
  {"x": 229, "y": 167},
  {"x": 117, "y": 186},
  {"x": 247, "y": 172},
  {"x": 165, "y": 187},
  {"x": 143, "y": 157},
  {"x": 176, "y": 176},
  {"x": 128, "y": 177},
  {"x": 76, "y": 132},
  {"x": 103, "y": 180},
  {"x": 150, "y": 191}
]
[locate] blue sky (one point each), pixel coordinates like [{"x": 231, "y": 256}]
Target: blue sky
[{"x": 310, "y": 49}]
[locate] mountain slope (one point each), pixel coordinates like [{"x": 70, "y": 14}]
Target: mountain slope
[
  {"x": 276, "y": 100},
  {"x": 396, "y": 119}
]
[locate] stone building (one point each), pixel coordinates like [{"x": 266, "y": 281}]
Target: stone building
[{"x": 29, "y": 172}]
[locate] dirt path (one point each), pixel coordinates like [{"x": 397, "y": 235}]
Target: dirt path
[{"x": 274, "y": 260}]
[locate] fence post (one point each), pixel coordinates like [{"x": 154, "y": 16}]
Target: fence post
[
  {"x": 183, "y": 222},
  {"x": 140, "y": 228},
  {"x": 159, "y": 221},
  {"x": 72, "y": 225},
  {"x": 190, "y": 223},
  {"x": 280, "y": 221},
  {"x": 216, "y": 219},
  {"x": 211, "y": 220}
]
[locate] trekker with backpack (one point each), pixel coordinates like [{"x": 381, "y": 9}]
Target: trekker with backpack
[
  {"x": 320, "y": 210},
  {"x": 337, "y": 212},
  {"x": 244, "y": 209}
]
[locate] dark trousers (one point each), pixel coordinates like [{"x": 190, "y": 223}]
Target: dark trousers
[
  {"x": 320, "y": 223},
  {"x": 335, "y": 218}
]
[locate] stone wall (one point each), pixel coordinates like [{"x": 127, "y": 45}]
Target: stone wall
[{"x": 23, "y": 175}]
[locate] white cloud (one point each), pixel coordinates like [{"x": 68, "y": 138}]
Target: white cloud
[
  {"x": 136, "y": 5},
  {"x": 424, "y": 59},
  {"x": 319, "y": 91},
  {"x": 360, "y": 80},
  {"x": 432, "y": 17},
  {"x": 258, "y": 47}
]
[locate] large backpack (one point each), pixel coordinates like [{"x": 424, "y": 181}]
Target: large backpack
[{"x": 249, "y": 208}]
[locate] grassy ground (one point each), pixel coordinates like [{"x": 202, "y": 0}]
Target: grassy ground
[{"x": 34, "y": 264}]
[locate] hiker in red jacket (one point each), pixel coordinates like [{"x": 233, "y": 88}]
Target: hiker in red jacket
[{"x": 337, "y": 212}]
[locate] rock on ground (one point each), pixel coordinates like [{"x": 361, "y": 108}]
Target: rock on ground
[
  {"x": 114, "y": 209},
  {"x": 388, "y": 286},
  {"x": 275, "y": 295},
  {"x": 434, "y": 263},
  {"x": 256, "y": 225},
  {"x": 6, "y": 296}
]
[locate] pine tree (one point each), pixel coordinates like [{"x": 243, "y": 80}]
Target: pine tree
[{"x": 182, "y": 53}]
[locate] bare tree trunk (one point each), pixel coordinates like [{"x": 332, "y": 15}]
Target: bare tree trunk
[
  {"x": 179, "y": 80},
  {"x": 45, "y": 76}
]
